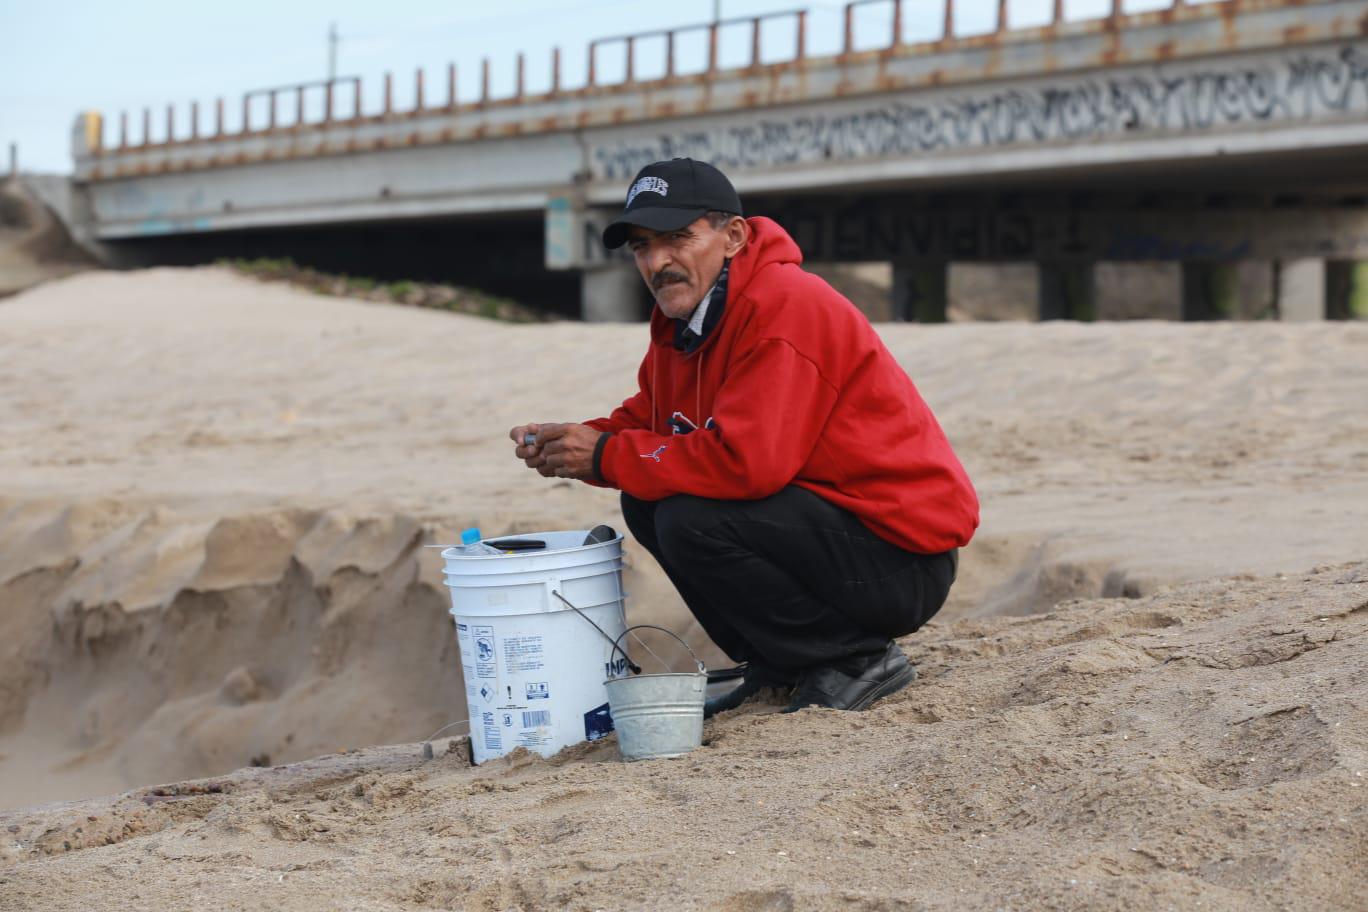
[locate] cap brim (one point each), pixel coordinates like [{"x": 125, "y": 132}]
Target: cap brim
[{"x": 654, "y": 218}]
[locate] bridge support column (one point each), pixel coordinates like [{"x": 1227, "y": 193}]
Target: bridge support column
[
  {"x": 1339, "y": 290},
  {"x": 611, "y": 293},
  {"x": 919, "y": 291},
  {"x": 1237, "y": 290},
  {"x": 1206, "y": 293},
  {"x": 1301, "y": 290},
  {"x": 1066, "y": 291},
  {"x": 1346, "y": 290}
]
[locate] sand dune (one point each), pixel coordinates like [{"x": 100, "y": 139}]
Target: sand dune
[
  {"x": 214, "y": 495},
  {"x": 34, "y": 245},
  {"x": 1202, "y": 747}
]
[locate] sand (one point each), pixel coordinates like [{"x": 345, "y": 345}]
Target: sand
[
  {"x": 1199, "y": 748},
  {"x": 213, "y": 501},
  {"x": 34, "y": 244}
]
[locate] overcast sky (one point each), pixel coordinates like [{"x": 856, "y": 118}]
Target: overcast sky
[{"x": 60, "y": 58}]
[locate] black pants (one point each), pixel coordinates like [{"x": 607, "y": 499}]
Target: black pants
[{"x": 790, "y": 581}]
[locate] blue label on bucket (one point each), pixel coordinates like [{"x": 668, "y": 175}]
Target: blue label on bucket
[
  {"x": 598, "y": 723},
  {"x": 485, "y": 658}
]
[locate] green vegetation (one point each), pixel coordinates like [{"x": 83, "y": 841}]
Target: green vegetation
[
  {"x": 263, "y": 267},
  {"x": 1358, "y": 299},
  {"x": 414, "y": 294},
  {"x": 1079, "y": 301}
]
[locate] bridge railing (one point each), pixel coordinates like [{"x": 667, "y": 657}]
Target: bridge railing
[
  {"x": 328, "y": 90},
  {"x": 947, "y": 33},
  {"x": 342, "y": 98},
  {"x": 713, "y": 30}
]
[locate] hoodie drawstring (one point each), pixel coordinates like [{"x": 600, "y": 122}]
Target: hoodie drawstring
[
  {"x": 655, "y": 367},
  {"x": 702, "y": 422},
  {"x": 698, "y": 393}
]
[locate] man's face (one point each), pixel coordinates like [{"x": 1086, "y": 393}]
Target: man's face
[{"x": 680, "y": 266}]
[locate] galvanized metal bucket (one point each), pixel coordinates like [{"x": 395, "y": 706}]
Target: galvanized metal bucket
[{"x": 657, "y": 715}]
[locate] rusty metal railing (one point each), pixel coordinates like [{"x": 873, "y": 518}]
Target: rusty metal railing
[
  {"x": 713, "y": 29},
  {"x": 1113, "y": 19},
  {"x": 301, "y": 91},
  {"x": 896, "y": 7}
]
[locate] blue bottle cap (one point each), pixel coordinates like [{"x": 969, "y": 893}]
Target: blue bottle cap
[{"x": 470, "y": 536}]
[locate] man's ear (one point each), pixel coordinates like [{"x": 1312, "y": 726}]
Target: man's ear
[{"x": 738, "y": 232}]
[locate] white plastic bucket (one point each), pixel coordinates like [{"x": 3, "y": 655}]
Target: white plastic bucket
[{"x": 534, "y": 669}]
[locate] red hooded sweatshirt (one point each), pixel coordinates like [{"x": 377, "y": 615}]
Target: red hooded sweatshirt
[{"x": 792, "y": 387}]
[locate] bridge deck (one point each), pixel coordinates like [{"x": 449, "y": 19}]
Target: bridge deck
[{"x": 1187, "y": 83}]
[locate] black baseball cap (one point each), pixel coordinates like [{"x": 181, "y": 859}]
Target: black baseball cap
[{"x": 667, "y": 195}]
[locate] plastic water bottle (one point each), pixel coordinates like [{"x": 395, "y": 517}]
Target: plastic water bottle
[{"x": 471, "y": 544}]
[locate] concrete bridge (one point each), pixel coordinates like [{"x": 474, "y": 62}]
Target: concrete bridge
[{"x": 1226, "y": 139}]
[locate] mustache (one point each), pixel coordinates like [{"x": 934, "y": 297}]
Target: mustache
[{"x": 665, "y": 277}]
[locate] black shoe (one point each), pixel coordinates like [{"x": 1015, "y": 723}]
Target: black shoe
[
  {"x": 757, "y": 679},
  {"x": 854, "y": 685}
]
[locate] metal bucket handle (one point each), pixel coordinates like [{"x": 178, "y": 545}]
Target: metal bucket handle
[
  {"x": 625, "y": 657},
  {"x": 702, "y": 669}
]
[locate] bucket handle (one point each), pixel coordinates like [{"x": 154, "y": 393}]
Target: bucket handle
[{"x": 637, "y": 669}]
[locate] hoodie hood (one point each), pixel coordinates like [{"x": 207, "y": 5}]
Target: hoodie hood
[{"x": 769, "y": 243}]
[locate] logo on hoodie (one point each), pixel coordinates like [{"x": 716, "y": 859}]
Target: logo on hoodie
[
  {"x": 648, "y": 185},
  {"x": 656, "y": 455},
  {"x": 680, "y": 424}
]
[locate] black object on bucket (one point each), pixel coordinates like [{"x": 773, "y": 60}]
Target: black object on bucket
[
  {"x": 517, "y": 544},
  {"x": 600, "y": 534},
  {"x": 728, "y": 674}
]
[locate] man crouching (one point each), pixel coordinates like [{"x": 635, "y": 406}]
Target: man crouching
[{"x": 776, "y": 460}]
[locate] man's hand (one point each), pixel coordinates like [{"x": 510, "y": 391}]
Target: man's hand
[
  {"x": 531, "y": 453},
  {"x": 559, "y": 450},
  {"x": 568, "y": 449}
]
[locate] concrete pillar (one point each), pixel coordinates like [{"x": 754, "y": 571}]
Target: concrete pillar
[
  {"x": 1301, "y": 290},
  {"x": 1339, "y": 289},
  {"x": 613, "y": 292},
  {"x": 1229, "y": 290},
  {"x": 1145, "y": 290},
  {"x": 1210, "y": 291},
  {"x": 1066, "y": 291},
  {"x": 919, "y": 291}
]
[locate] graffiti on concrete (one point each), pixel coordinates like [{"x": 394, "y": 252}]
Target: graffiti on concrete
[
  {"x": 889, "y": 228},
  {"x": 1292, "y": 87}
]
